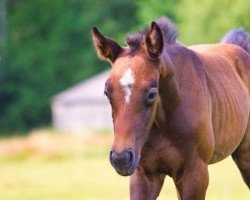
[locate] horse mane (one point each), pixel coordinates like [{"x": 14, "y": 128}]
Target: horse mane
[{"x": 168, "y": 29}]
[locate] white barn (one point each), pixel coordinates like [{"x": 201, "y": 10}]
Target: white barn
[{"x": 82, "y": 107}]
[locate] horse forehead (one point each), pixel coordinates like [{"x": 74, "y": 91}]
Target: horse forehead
[
  {"x": 129, "y": 67},
  {"x": 124, "y": 77},
  {"x": 127, "y": 78}
]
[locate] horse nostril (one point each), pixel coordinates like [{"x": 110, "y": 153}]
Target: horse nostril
[
  {"x": 126, "y": 157},
  {"x": 131, "y": 156}
]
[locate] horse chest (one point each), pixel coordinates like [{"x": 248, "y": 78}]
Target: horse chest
[{"x": 161, "y": 156}]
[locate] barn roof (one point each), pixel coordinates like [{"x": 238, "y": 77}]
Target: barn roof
[{"x": 88, "y": 91}]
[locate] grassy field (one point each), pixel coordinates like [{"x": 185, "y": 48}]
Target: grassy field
[{"x": 52, "y": 166}]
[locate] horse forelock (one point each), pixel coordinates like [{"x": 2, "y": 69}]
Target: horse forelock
[
  {"x": 135, "y": 40},
  {"x": 168, "y": 29}
]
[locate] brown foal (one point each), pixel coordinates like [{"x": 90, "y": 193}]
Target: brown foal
[{"x": 177, "y": 109}]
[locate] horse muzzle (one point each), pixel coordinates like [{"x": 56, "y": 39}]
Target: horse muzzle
[{"x": 125, "y": 162}]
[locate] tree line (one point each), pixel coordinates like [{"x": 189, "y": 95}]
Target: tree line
[{"x": 46, "y": 46}]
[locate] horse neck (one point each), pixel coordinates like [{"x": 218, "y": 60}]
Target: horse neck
[{"x": 169, "y": 94}]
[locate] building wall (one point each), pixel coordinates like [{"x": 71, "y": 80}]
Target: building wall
[{"x": 78, "y": 117}]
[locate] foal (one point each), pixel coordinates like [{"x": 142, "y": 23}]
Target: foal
[{"x": 177, "y": 109}]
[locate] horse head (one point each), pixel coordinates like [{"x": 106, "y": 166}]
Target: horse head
[{"x": 132, "y": 90}]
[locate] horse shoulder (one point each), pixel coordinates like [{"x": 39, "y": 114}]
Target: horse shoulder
[{"x": 191, "y": 79}]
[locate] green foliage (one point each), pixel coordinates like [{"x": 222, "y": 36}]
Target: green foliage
[
  {"x": 50, "y": 48},
  {"x": 150, "y": 10},
  {"x": 207, "y": 21}
]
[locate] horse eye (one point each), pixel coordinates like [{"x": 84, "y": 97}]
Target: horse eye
[
  {"x": 106, "y": 93},
  {"x": 151, "y": 95}
]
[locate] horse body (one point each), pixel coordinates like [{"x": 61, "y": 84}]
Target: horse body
[
  {"x": 198, "y": 116},
  {"x": 229, "y": 97}
]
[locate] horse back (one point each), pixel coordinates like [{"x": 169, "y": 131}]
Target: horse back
[{"x": 238, "y": 57}]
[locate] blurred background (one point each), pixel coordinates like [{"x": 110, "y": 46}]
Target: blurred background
[{"x": 55, "y": 124}]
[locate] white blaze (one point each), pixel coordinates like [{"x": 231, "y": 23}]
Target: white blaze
[{"x": 127, "y": 82}]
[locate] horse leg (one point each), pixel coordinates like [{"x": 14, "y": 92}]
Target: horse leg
[
  {"x": 145, "y": 186},
  {"x": 191, "y": 180},
  {"x": 241, "y": 157}
]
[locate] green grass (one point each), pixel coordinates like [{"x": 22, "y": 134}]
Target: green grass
[{"x": 78, "y": 168}]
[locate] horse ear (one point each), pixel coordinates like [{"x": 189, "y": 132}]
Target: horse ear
[
  {"x": 154, "y": 41},
  {"x": 106, "y": 48}
]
